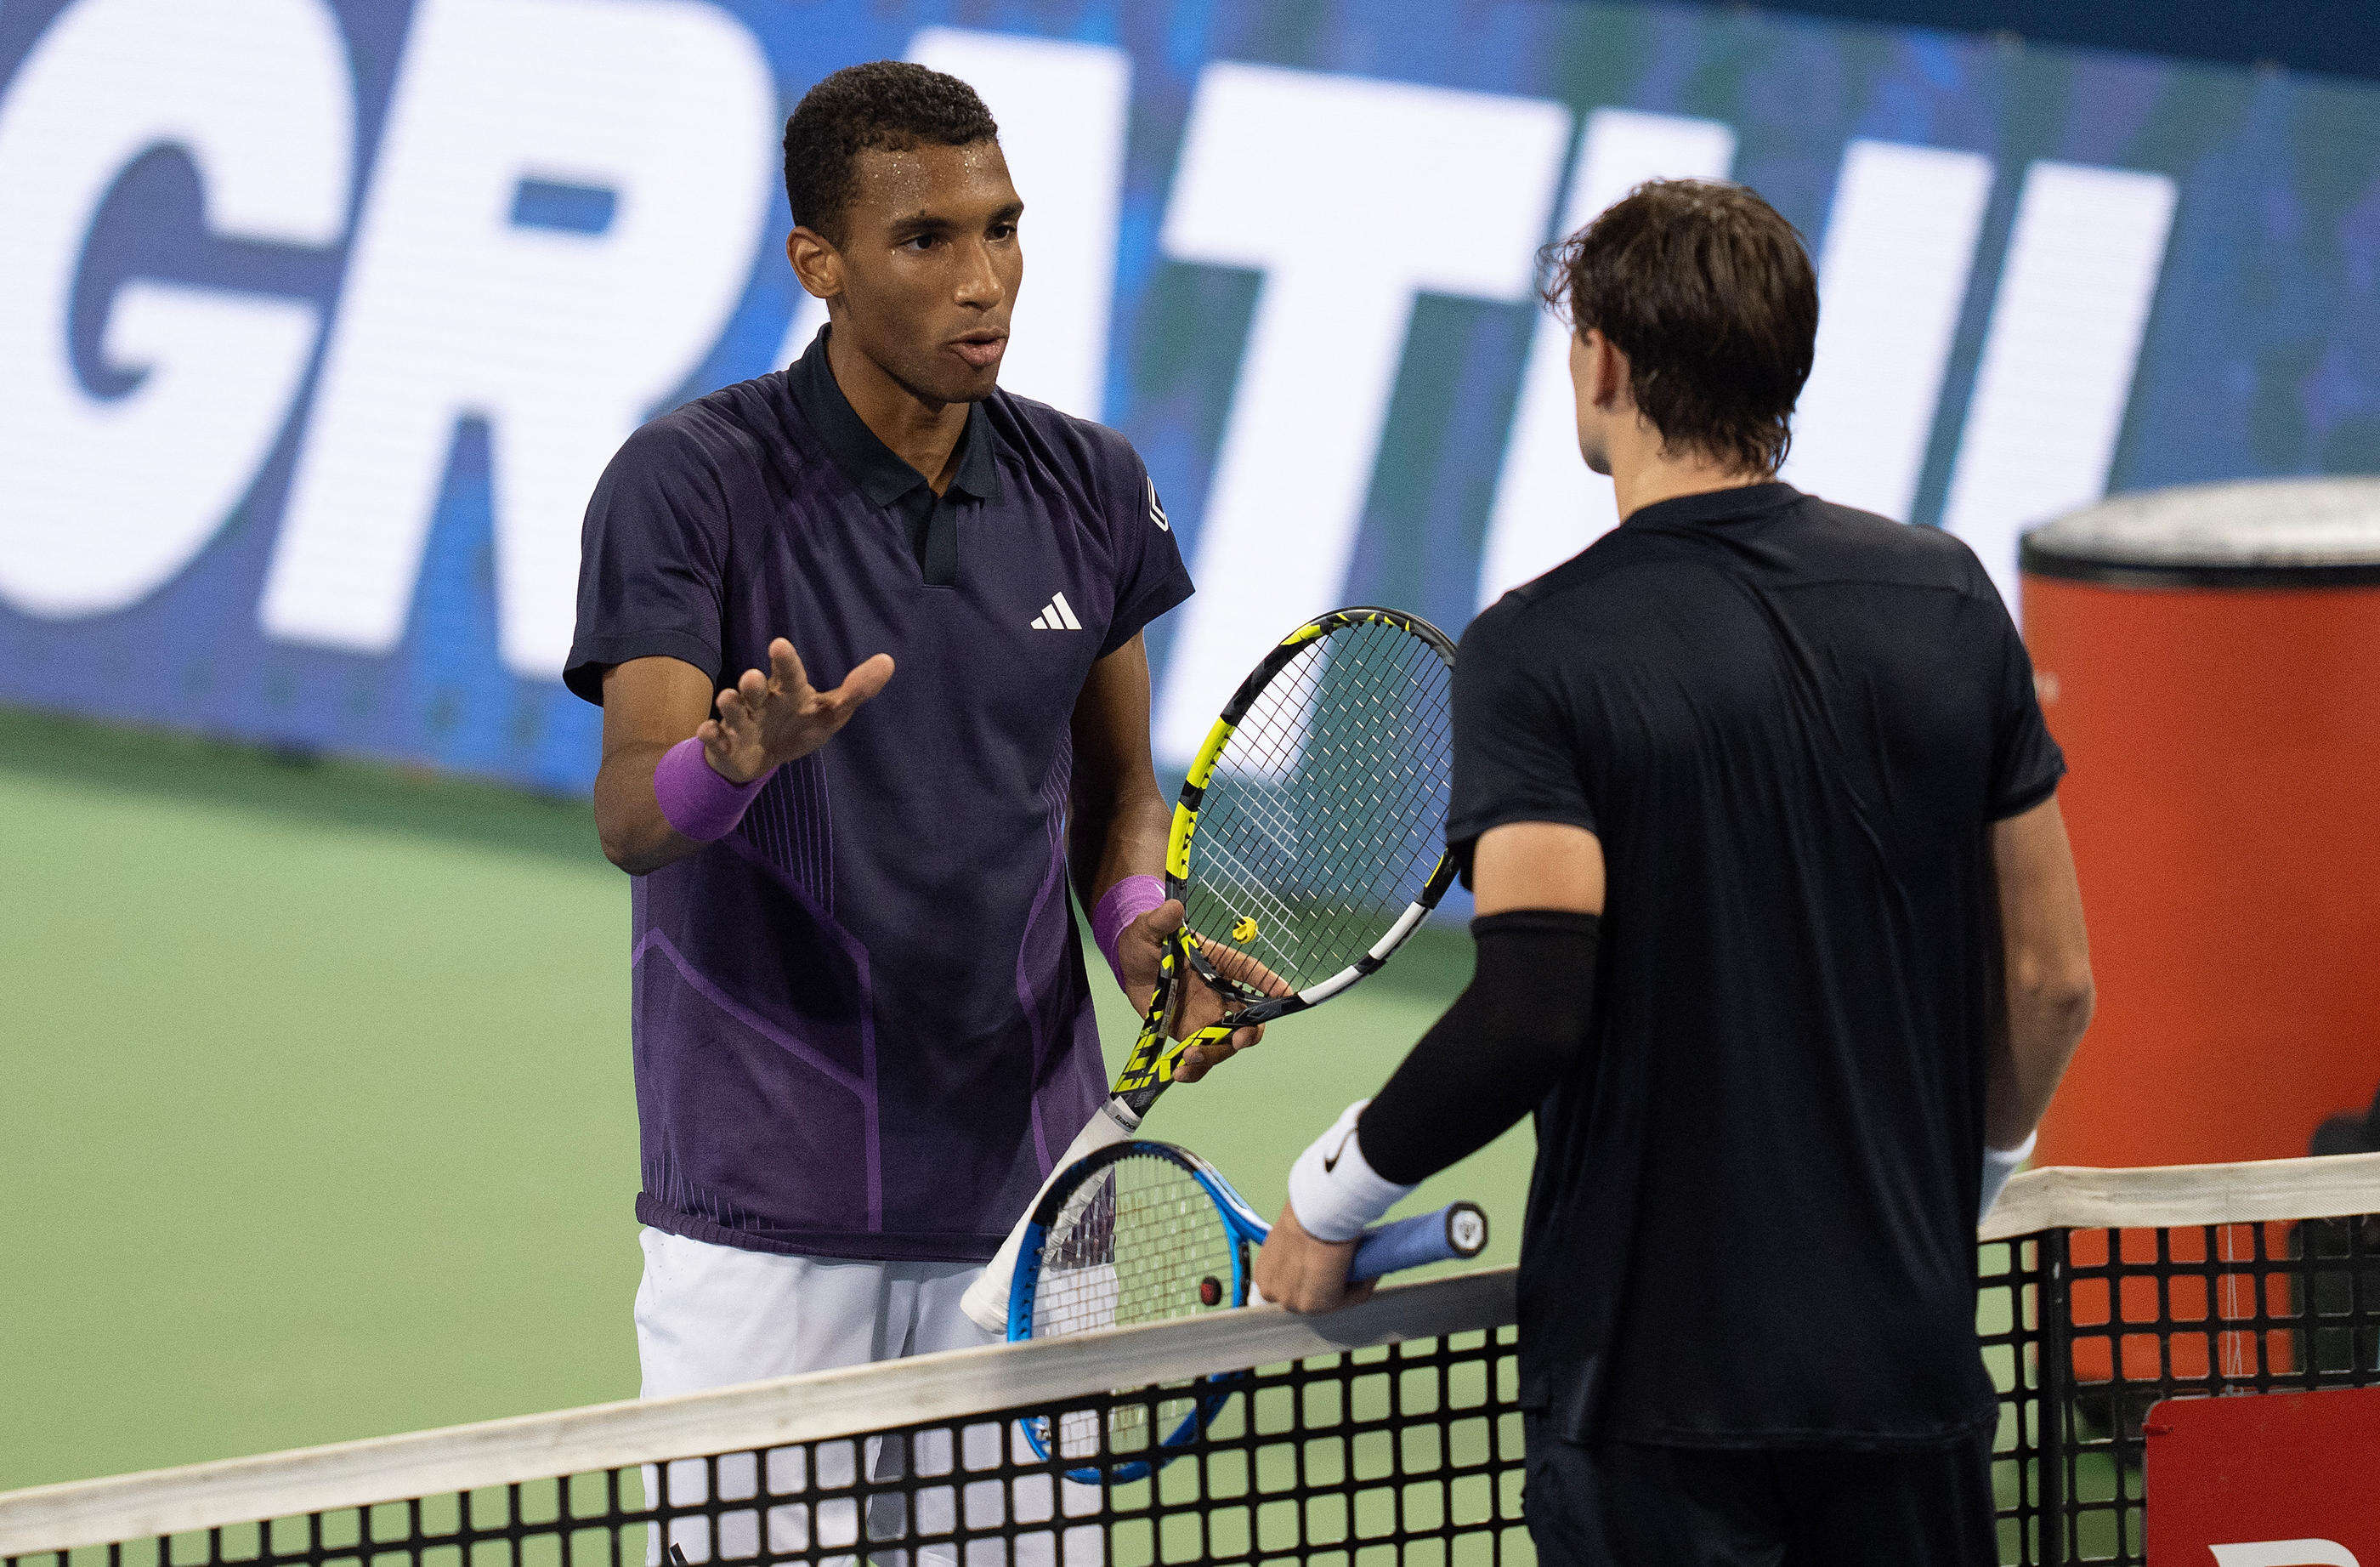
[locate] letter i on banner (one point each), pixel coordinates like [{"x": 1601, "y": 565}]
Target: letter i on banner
[
  {"x": 1892, "y": 278},
  {"x": 1548, "y": 506},
  {"x": 1278, "y": 168},
  {"x": 2057, "y": 370}
]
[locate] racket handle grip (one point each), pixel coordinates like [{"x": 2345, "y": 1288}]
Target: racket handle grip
[{"x": 1458, "y": 1230}]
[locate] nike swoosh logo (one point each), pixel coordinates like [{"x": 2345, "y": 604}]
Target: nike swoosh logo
[{"x": 1331, "y": 1160}]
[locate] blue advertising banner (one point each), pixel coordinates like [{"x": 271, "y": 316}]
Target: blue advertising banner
[{"x": 318, "y": 318}]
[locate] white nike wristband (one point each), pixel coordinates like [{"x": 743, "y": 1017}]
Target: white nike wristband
[
  {"x": 1998, "y": 1165},
  {"x": 1333, "y": 1190}
]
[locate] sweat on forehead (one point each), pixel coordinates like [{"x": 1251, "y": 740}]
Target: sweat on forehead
[
  {"x": 952, "y": 185},
  {"x": 885, "y": 106}
]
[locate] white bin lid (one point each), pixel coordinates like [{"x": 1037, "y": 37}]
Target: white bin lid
[{"x": 2259, "y": 533}]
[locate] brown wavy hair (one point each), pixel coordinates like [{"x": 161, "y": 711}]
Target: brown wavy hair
[{"x": 1709, "y": 292}]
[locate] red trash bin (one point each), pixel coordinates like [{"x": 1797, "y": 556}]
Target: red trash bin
[{"x": 2209, "y": 658}]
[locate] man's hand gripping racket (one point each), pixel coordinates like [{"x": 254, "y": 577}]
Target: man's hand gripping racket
[
  {"x": 1144, "y": 948},
  {"x": 1307, "y": 843}
]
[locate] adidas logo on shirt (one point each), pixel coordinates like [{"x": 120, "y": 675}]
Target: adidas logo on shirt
[{"x": 1057, "y": 615}]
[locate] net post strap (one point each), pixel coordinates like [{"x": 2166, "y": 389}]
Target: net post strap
[
  {"x": 2076, "y": 1197},
  {"x": 812, "y": 1407}
]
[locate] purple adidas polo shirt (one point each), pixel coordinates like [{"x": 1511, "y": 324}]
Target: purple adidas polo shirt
[{"x": 860, "y": 1022}]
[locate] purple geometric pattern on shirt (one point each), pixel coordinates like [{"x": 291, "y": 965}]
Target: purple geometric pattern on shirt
[
  {"x": 858, "y": 954},
  {"x": 783, "y": 1039},
  {"x": 792, "y": 825},
  {"x": 667, "y": 1183},
  {"x": 863, "y": 1084},
  {"x": 1056, "y": 787}
]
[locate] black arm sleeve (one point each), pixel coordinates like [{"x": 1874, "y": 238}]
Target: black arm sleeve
[{"x": 1517, "y": 1029}]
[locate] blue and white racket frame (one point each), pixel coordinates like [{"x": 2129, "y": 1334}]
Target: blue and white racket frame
[{"x": 1450, "y": 1233}]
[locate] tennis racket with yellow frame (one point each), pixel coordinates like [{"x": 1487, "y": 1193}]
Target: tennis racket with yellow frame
[{"x": 1309, "y": 842}]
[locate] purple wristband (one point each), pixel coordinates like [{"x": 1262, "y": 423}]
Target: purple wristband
[
  {"x": 1119, "y": 906},
  {"x": 697, "y": 801}
]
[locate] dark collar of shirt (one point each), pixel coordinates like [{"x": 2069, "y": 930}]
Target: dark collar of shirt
[
  {"x": 1715, "y": 505},
  {"x": 880, "y": 474}
]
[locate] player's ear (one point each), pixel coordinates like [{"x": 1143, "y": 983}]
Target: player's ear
[
  {"x": 1609, "y": 372},
  {"x": 818, "y": 265}
]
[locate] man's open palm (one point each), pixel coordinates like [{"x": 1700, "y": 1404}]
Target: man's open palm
[{"x": 768, "y": 719}]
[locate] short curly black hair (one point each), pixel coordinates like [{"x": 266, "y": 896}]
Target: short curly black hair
[{"x": 891, "y": 104}]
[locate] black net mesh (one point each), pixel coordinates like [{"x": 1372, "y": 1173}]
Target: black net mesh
[
  {"x": 1405, "y": 1454},
  {"x": 2084, "y": 1330},
  {"x": 1326, "y": 810},
  {"x": 1409, "y": 1452}
]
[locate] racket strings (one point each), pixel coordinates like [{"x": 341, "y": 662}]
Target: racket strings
[
  {"x": 1140, "y": 1242},
  {"x": 1247, "y": 891},
  {"x": 1327, "y": 811}
]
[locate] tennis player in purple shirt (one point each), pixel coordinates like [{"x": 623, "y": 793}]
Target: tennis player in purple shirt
[{"x": 867, "y": 636}]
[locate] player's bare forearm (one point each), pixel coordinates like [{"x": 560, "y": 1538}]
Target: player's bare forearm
[
  {"x": 637, "y": 837},
  {"x": 2048, "y": 957},
  {"x": 648, "y": 705},
  {"x": 1119, "y": 816},
  {"x": 1126, "y": 838}
]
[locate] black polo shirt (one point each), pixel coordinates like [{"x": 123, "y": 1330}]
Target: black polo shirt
[
  {"x": 1791, "y": 725},
  {"x": 860, "y": 1022}
]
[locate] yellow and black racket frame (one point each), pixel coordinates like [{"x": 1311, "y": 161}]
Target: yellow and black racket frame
[{"x": 1154, "y": 1057}]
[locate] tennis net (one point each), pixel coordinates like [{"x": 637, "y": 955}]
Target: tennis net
[
  {"x": 1388, "y": 1433},
  {"x": 2106, "y": 1291}
]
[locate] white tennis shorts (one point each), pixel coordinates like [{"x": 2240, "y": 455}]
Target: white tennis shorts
[{"x": 711, "y": 1317}]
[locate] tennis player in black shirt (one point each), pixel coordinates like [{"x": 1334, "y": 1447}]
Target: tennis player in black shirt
[{"x": 1778, "y": 935}]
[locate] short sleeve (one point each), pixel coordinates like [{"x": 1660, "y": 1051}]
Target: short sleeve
[
  {"x": 1150, "y": 577},
  {"x": 649, "y": 562},
  {"x": 1515, "y": 751},
  {"x": 2026, "y": 763}
]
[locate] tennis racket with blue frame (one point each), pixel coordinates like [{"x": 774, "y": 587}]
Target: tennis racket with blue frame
[{"x": 1144, "y": 1231}]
